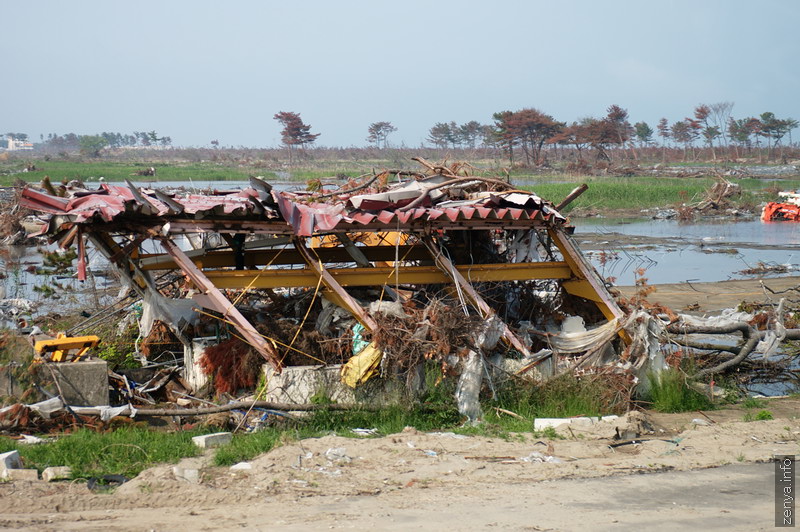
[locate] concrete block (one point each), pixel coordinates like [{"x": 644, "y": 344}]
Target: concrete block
[
  {"x": 21, "y": 474},
  {"x": 83, "y": 383},
  {"x": 9, "y": 384},
  {"x": 57, "y": 473},
  {"x": 298, "y": 384},
  {"x": 217, "y": 439},
  {"x": 542, "y": 423},
  {"x": 10, "y": 460},
  {"x": 242, "y": 466},
  {"x": 187, "y": 474},
  {"x": 192, "y": 372}
]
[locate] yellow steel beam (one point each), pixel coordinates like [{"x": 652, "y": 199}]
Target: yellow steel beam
[
  {"x": 582, "y": 288},
  {"x": 233, "y": 279},
  {"x": 223, "y": 259}
]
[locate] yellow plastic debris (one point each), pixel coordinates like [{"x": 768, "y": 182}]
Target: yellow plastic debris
[
  {"x": 362, "y": 367},
  {"x": 58, "y": 349}
]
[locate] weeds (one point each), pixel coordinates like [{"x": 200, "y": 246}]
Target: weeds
[
  {"x": 124, "y": 451},
  {"x": 670, "y": 392},
  {"x": 761, "y": 415},
  {"x": 752, "y": 402}
]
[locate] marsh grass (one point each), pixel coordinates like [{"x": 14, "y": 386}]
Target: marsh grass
[{"x": 117, "y": 172}]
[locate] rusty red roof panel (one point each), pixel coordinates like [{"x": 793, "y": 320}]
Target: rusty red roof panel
[{"x": 300, "y": 210}]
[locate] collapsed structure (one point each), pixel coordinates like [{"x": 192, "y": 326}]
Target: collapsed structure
[{"x": 361, "y": 272}]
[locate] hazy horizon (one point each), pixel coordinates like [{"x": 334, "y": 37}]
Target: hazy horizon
[{"x": 199, "y": 71}]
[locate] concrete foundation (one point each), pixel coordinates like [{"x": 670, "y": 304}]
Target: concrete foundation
[
  {"x": 309, "y": 384},
  {"x": 9, "y": 384},
  {"x": 83, "y": 383}
]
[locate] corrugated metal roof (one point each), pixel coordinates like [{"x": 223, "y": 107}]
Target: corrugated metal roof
[{"x": 305, "y": 214}]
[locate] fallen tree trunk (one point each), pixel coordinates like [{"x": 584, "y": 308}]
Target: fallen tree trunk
[
  {"x": 243, "y": 405},
  {"x": 750, "y": 335}
]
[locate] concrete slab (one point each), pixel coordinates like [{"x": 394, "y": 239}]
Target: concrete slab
[
  {"x": 83, "y": 383},
  {"x": 306, "y": 384},
  {"x": 10, "y": 460},
  {"x": 20, "y": 474},
  {"x": 206, "y": 441},
  {"x": 57, "y": 473}
]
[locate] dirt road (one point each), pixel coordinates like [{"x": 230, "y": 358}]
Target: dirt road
[{"x": 434, "y": 481}]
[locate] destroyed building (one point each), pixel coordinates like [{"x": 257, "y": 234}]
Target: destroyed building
[{"x": 369, "y": 278}]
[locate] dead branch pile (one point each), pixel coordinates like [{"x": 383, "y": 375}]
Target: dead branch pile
[
  {"x": 434, "y": 332},
  {"x": 232, "y": 364}
]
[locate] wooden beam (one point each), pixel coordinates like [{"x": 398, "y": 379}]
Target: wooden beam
[
  {"x": 212, "y": 298},
  {"x": 345, "y": 300}
]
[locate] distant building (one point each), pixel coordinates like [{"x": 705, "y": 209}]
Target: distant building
[{"x": 17, "y": 145}]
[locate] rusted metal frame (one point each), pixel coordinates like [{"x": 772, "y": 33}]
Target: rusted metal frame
[
  {"x": 379, "y": 276},
  {"x": 456, "y": 276},
  {"x": 223, "y": 259},
  {"x": 345, "y": 299},
  {"x": 587, "y": 283},
  {"x": 213, "y": 299}
]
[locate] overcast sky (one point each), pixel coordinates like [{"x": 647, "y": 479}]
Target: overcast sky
[{"x": 198, "y": 70}]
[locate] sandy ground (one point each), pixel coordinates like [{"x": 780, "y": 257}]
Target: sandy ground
[
  {"x": 713, "y": 297},
  {"x": 434, "y": 481}
]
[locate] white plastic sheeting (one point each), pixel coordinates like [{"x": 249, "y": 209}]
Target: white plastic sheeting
[{"x": 176, "y": 312}]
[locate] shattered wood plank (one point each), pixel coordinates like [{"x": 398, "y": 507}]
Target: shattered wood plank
[
  {"x": 215, "y": 300},
  {"x": 347, "y": 301},
  {"x": 450, "y": 270}
]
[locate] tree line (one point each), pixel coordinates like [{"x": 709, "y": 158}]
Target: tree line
[{"x": 526, "y": 134}]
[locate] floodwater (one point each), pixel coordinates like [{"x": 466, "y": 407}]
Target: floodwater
[{"x": 669, "y": 251}]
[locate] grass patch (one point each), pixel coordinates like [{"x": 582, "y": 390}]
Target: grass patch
[
  {"x": 670, "y": 392},
  {"x": 752, "y": 402},
  {"x": 124, "y": 451},
  {"x": 130, "y": 449},
  {"x": 565, "y": 396},
  {"x": 761, "y": 415},
  {"x": 117, "y": 172}
]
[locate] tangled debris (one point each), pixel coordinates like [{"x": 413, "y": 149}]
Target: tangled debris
[{"x": 387, "y": 276}]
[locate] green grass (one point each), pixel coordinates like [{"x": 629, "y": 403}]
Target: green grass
[
  {"x": 625, "y": 193},
  {"x": 130, "y": 449},
  {"x": 670, "y": 392},
  {"x": 117, "y": 172},
  {"x": 761, "y": 415},
  {"x": 124, "y": 451},
  {"x": 752, "y": 402}
]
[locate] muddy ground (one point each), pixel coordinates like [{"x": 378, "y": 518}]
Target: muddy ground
[{"x": 434, "y": 481}]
